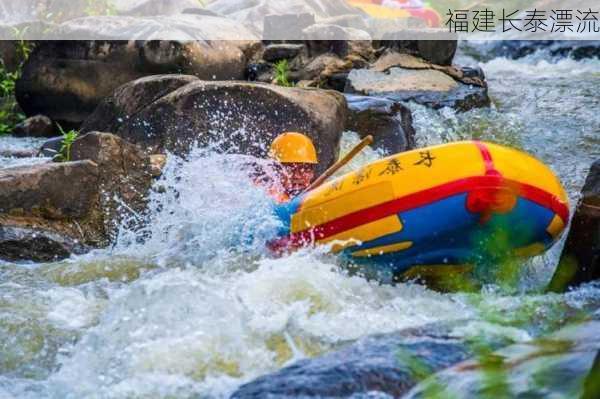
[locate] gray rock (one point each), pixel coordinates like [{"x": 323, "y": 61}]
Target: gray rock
[
  {"x": 18, "y": 153},
  {"x": 66, "y": 80},
  {"x": 50, "y": 190},
  {"x": 51, "y": 147},
  {"x": 35, "y": 244},
  {"x": 286, "y": 26},
  {"x": 235, "y": 116},
  {"x": 322, "y": 38},
  {"x": 556, "y": 366},
  {"x": 83, "y": 201},
  {"x": 429, "y": 87},
  {"x": 389, "y": 122},
  {"x": 35, "y": 126},
  {"x": 436, "y": 51},
  {"x": 389, "y": 364},
  {"x": 284, "y": 51},
  {"x": 580, "y": 259}
]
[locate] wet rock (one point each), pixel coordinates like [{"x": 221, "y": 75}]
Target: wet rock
[
  {"x": 66, "y": 80},
  {"x": 35, "y": 126},
  {"x": 580, "y": 259},
  {"x": 51, "y": 147},
  {"x": 157, "y": 163},
  {"x": 429, "y": 87},
  {"x": 284, "y": 51},
  {"x": 323, "y": 38},
  {"x": 50, "y": 190},
  {"x": 389, "y": 122},
  {"x": 555, "y": 366},
  {"x": 325, "y": 65},
  {"x": 18, "y": 153},
  {"x": 83, "y": 201},
  {"x": 389, "y": 364},
  {"x": 440, "y": 52},
  {"x": 237, "y": 116},
  {"x": 124, "y": 179},
  {"x": 35, "y": 244}
]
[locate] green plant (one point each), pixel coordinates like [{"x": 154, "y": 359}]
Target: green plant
[
  {"x": 69, "y": 137},
  {"x": 23, "y": 47},
  {"x": 282, "y": 71},
  {"x": 9, "y": 109}
]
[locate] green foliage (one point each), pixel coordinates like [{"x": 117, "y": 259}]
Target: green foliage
[
  {"x": 282, "y": 71},
  {"x": 9, "y": 109},
  {"x": 23, "y": 47},
  {"x": 69, "y": 137}
]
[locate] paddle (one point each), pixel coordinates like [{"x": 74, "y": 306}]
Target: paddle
[{"x": 339, "y": 164}]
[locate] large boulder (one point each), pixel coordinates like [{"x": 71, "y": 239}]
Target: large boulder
[
  {"x": 67, "y": 79},
  {"x": 562, "y": 365},
  {"x": 50, "y": 190},
  {"x": 51, "y": 210},
  {"x": 389, "y": 122},
  {"x": 386, "y": 364},
  {"x": 174, "y": 113},
  {"x": 580, "y": 260}
]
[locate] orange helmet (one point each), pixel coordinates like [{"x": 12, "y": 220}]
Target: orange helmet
[{"x": 292, "y": 147}]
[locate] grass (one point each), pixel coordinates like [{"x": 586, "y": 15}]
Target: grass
[
  {"x": 69, "y": 137},
  {"x": 282, "y": 71}
]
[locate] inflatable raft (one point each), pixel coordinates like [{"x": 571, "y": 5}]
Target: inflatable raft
[
  {"x": 392, "y": 9},
  {"x": 451, "y": 204}
]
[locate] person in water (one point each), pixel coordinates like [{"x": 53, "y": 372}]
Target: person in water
[{"x": 296, "y": 158}]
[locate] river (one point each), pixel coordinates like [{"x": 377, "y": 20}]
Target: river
[{"x": 188, "y": 313}]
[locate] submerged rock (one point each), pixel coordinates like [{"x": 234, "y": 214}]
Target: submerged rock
[
  {"x": 389, "y": 364},
  {"x": 556, "y": 366},
  {"x": 389, "y": 122},
  {"x": 63, "y": 208},
  {"x": 172, "y": 113},
  {"x": 66, "y": 80},
  {"x": 580, "y": 260},
  {"x": 35, "y": 244},
  {"x": 35, "y": 126}
]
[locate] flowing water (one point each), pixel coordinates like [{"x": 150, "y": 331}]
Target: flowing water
[{"x": 189, "y": 312}]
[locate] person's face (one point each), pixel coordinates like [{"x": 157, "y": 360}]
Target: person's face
[{"x": 297, "y": 176}]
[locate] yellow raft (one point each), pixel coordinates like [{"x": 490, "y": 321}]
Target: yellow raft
[{"x": 448, "y": 204}]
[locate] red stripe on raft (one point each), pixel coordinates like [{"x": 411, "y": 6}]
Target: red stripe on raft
[
  {"x": 416, "y": 200},
  {"x": 490, "y": 169}
]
